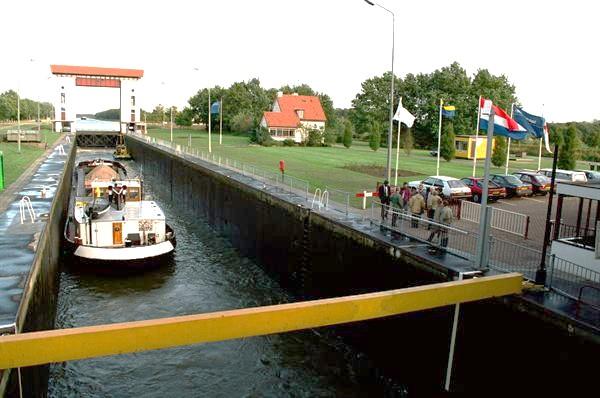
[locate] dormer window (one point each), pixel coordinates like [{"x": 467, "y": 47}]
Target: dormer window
[{"x": 300, "y": 113}]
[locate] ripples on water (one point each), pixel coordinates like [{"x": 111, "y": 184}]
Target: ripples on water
[{"x": 206, "y": 274}]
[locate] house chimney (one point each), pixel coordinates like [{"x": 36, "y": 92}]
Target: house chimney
[
  {"x": 296, "y": 94},
  {"x": 279, "y": 94}
]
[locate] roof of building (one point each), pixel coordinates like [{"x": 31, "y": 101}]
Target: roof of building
[
  {"x": 289, "y": 104},
  {"x": 282, "y": 119},
  {"x": 310, "y": 104},
  {"x": 96, "y": 71}
]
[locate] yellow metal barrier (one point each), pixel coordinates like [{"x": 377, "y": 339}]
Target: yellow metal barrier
[{"x": 93, "y": 341}]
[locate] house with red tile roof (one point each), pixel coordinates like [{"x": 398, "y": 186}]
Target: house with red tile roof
[{"x": 293, "y": 116}]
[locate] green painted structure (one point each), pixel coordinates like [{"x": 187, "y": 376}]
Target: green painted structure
[{"x": 1, "y": 171}]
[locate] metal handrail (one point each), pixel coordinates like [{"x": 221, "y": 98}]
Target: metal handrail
[{"x": 25, "y": 204}]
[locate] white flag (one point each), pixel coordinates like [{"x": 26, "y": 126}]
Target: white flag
[{"x": 404, "y": 116}]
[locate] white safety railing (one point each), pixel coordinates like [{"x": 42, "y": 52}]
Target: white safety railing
[
  {"x": 26, "y": 208},
  {"x": 502, "y": 220},
  {"x": 61, "y": 150},
  {"x": 68, "y": 139}
]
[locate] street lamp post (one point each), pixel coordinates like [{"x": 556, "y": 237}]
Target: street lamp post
[{"x": 390, "y": 131}]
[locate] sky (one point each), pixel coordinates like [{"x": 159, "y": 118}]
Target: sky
[{"x": 547, "y": 49}]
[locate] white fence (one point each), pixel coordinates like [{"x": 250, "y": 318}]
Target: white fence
[{"x": 503, "y": 220}]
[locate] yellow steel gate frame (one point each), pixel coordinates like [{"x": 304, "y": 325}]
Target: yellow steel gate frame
[{"x": 44, "y": 347}]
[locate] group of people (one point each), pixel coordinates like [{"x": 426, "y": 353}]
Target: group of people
[
  {"x": 417, "y": 202},
  {"x": 116, "y": 195}
]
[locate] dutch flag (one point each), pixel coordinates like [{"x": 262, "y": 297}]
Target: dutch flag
[{"x": 504, "y": 125}]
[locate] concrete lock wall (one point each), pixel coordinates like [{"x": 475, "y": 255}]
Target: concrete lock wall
[
  {"x": 37, "y": 310},
  {"x": 314, "y": 257}
]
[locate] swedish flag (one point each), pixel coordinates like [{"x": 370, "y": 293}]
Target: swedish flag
[{"x": 449, "y": 111}]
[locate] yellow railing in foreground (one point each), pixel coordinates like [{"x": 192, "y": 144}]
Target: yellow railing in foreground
[{"x": 94, "y": 341}]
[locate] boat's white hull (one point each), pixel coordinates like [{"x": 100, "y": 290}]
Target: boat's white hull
[{"x": 124, "y": 253}]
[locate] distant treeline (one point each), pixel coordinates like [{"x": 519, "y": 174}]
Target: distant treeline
[
  {"x": 29, "y": 108},
  {"x": 110, "y": 114}
]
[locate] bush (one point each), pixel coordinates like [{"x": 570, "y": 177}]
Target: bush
[
  {"x": 329, "y": 137},
  {"x": 447, "y": 148},
  {"x": 242, "y": 122},
  {"x": 569, "y": 151},
  {"x": 261, "y": 136},
  {"x": 288, "y": 142},
  {"x": 375, "y": 137},
  {"x": 347, "y": 139},
  {"x": 499, "y": 153},
  {"x": 315, "y": 138}
]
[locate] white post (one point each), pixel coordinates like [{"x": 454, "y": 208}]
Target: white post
[
  {"x": 437, "y": 169},
  {"x": 452, "y": 341},
  {"x": 364, "y": 200},
  {"x": 19, "y": 122},
  {"x": 209, "y": 122},
  {"x": 476, "y": 136},
  {"x": 171, "y": 123},
  {"x": 512, "y": 110},
  {"x": 507, "y": 156},
  {"x": 221, "y": 121},
  {"x": 540, "y": 155}
]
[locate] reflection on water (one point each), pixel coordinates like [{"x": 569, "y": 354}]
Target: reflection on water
[
  {"x": 206, "y": 274},
  {"x": 96, "y": 125}
]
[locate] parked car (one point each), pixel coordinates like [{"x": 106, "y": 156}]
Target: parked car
[
  {"x": 565, "y": 175},
  {"x": 539, "y": 182},
  {"x": 450, "y": 187},
  {"x": 513, "y": 186},
  {"x": 592, "y": 176},
  {"x": 495, "y": 191}
]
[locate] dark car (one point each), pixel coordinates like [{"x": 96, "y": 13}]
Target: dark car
[
  {"x": 495, "y": 191},
  {"x": 514, "y": 186},
  {"x": 539, "y": 182}
]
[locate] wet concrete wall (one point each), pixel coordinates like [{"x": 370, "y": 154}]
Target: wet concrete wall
[
  {"x": 37, "y": 309},
  {"x": 315, "y": 256}
]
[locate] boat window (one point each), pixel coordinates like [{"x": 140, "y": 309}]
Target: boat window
[{"x": 133, "y": 193}]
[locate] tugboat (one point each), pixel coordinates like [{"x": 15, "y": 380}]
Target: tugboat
[{"x": 110, "y": 222}]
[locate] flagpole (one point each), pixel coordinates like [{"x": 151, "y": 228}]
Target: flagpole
[
  {"x": 541, "y": 138},
  {"x": 512, "y": 110},
  {"x": 209, "y": 123},
  {"x": 476, "y": 136},
  {"x": 221, "y": 122},
  {"x": 398, "y": 147},
  {"x": 437, "y": 170},
  {"x": 484, "y": 212}
]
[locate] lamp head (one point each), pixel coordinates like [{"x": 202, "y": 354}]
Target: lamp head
[{"x": 369, "y": 2}]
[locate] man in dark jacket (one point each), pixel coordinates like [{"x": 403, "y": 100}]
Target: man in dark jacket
[{"x": 384, "y": 196}]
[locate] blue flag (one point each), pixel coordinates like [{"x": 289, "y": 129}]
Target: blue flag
[
  {"x": 448, "y": 111},
  {"x": 215, "y": 107},
  {"x": 533, "y": 124}
]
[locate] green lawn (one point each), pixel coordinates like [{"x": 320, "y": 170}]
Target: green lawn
[
  {"x": 16, "y": 163},
  {"x": 323, "y": 166}
]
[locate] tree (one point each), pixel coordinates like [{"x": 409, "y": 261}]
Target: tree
[
  {"x": 375, "y": 137},
  {"x": 569, "y": 151},
  {"x": 347, "y": 140},
  {"x": 184, "y": 118},
  {"x": 315, "y": 137},
  {"x": 408, "y": 141},
  {"x": 499, "y": 152},
  {"x": 447, "y": 148},
  {"x": 109, "y": 114},
  {"x": 242, "y": 122},
  {"x": 329, "y": 136}
]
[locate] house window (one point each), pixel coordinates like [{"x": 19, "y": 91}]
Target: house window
[
  {"x": 62, "y": 98},
  {"x": 133, "y": 100},
  {"x": 461, "y": 146}
]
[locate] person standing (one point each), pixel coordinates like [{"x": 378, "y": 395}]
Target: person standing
[
  {"x": 405, "y": 196},
  {"x": 110, "y": 193},
  {"x": 433, "y": 202},
  {"x": 445, "y": 219},
  {"x": 384, "y": 197},
  {"x": 416, "y": 205},
  {"x": 396, "y": 205}
]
